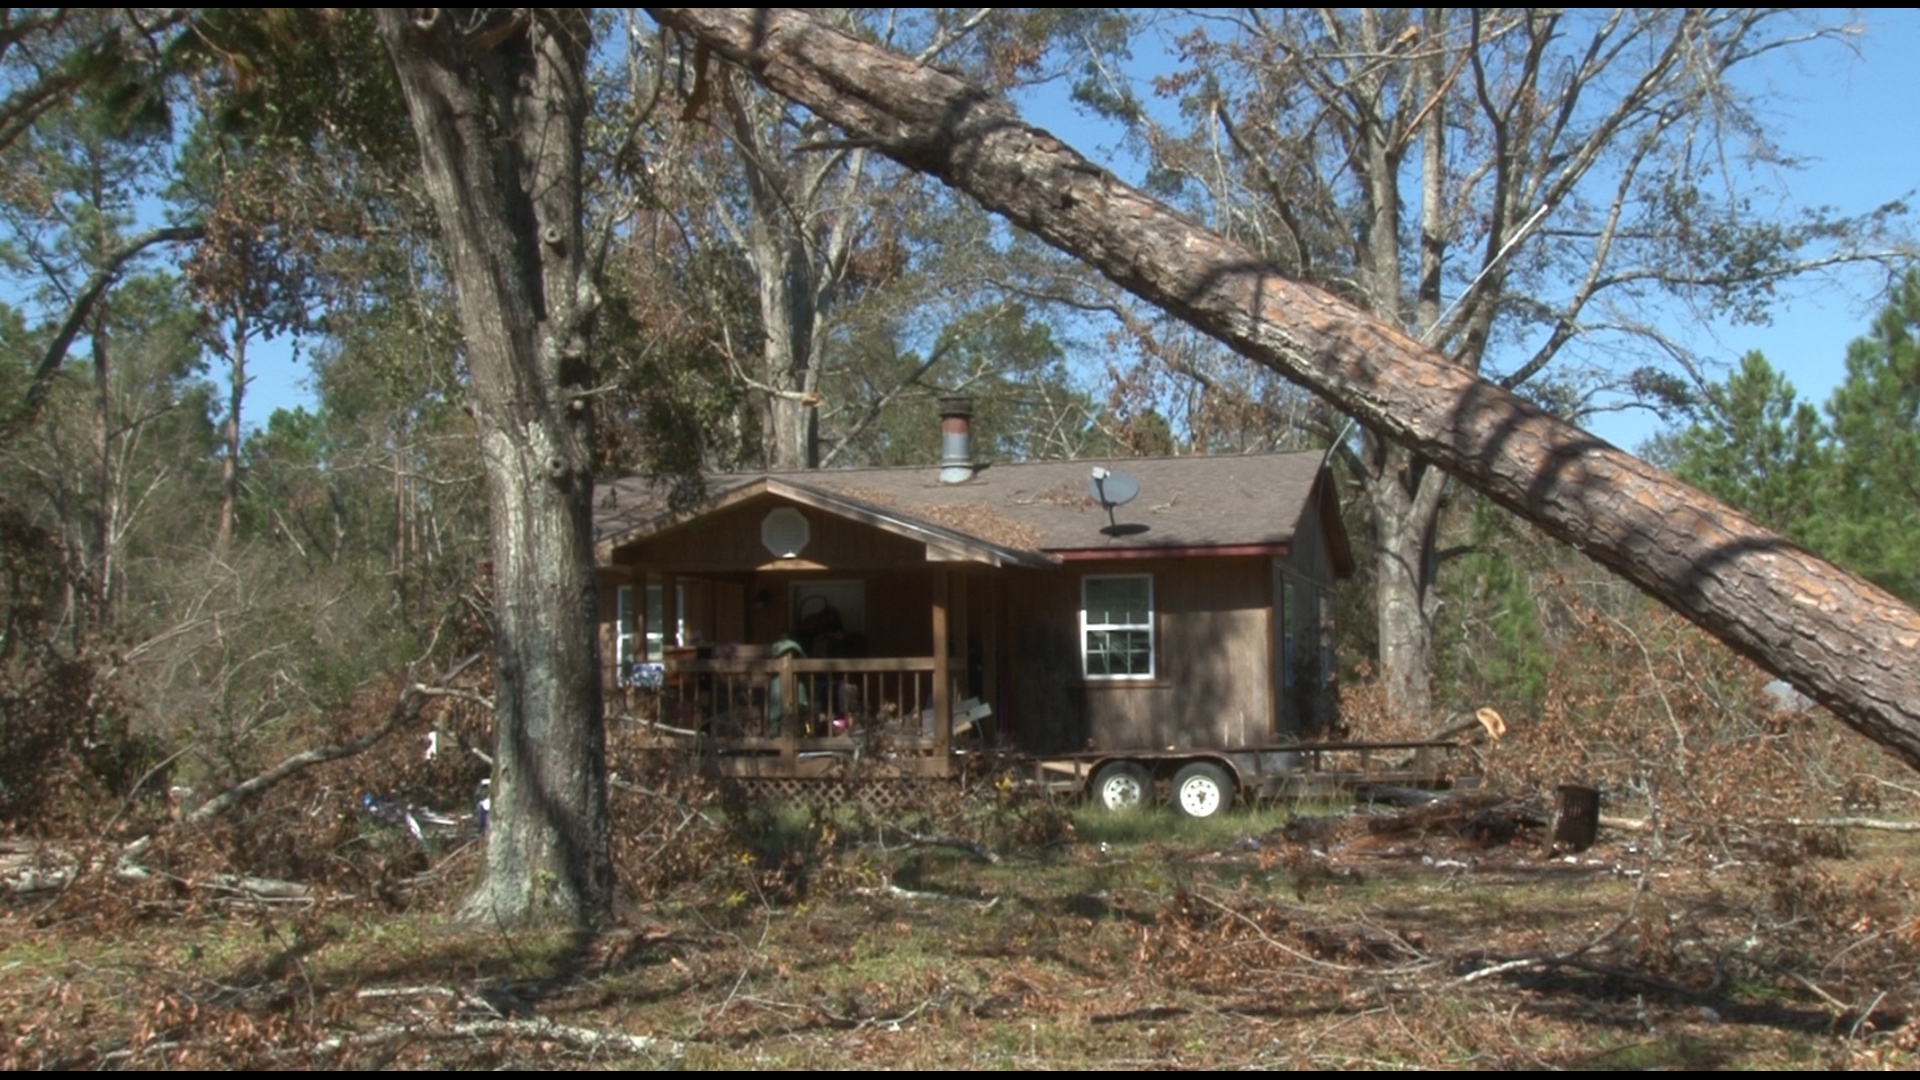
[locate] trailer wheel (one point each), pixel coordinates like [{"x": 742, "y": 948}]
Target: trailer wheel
[
  {"x": 1202, "y": 790},
  {"x": 1121, "y": 785}
]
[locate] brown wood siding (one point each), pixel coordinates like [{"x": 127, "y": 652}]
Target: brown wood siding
[
  {"x": 1210, "y": 684},
  {"x": 729, "y": 612},
  {"x": 1050, "y": 700},
  {"x": 730, "y": 541},
  {"x": 1309, "y": 557},
  {"x": 1286, "y": 715},
  {"x": 1303, "y": 710}
]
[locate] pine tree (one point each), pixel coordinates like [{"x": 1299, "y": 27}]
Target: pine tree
[
  {"x": 1757, "y": 447},
  {"x": 1874, "y": 523}
]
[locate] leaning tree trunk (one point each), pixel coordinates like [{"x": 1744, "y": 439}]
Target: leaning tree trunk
[
  {"x": 1844, "y": 641},
  {"x": 498, "y": 101}
]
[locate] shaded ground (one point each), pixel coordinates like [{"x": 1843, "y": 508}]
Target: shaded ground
[{"x": 1092, "y": 943}]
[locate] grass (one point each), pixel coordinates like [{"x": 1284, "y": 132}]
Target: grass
[{"x": 1160, "y": 825}]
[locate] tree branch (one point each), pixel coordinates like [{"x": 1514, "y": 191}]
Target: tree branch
[
  {"x": 55, "y": 353},
  {"x": 405, "y": 709},
  {"x": 934, "y": 356}
]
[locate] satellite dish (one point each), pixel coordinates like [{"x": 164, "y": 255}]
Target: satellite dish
[{"x": 1111, "y": 489}]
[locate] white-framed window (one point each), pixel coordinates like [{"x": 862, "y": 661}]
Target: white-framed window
[{"x": 1116, "y": 626}]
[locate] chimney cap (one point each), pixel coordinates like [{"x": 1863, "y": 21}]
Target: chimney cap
[{"x": 956, "y": 438}]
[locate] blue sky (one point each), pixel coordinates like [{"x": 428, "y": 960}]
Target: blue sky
[
  {"x": 1857, "y": 124},
  {"x": 1853, "y": 117}
]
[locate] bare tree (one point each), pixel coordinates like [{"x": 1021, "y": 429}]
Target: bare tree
[
  {"x": 828, "y": 229},
  {"x": 1837, "y": 637}
]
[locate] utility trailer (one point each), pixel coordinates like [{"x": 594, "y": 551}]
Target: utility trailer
[
  {"x": 1203, "y": 783},
  {"x": 1196, "y": 782}
]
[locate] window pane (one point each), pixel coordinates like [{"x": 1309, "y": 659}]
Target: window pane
[
  {"x": 1117, "y": 618},
  {"x": 1097, "y": 659},
  {"x": 1119, "y": 652},
  {"x": 623, "y": 629},
  {"x": 657, "y": 619},
  {"x": 1118, "y": 601}
]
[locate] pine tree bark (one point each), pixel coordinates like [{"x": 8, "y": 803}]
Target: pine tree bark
[
  {"x": 1847, "y": 643},
  {"x": 498, "y": 102}
]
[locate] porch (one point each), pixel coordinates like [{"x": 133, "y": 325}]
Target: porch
[{"x": 910, "y": 672}]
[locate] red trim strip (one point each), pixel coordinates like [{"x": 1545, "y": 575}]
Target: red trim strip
[{"x": 1091, "y": 554}]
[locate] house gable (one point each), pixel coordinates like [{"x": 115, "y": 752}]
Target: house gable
[
  {"x": 726, "y": 532},
  {"x": 729, "y": 540}
]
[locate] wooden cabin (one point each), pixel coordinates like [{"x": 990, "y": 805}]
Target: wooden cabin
[{"x": 801, "y": 620}]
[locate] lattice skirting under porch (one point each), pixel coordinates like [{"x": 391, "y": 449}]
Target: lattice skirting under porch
[{"x": 875, "y": 794}]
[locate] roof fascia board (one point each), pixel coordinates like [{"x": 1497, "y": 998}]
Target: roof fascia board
[{"x": 1206, "y": 552}]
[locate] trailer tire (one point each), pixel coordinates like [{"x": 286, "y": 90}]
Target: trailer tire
[
  {"x": 1202, "y": 790},
  {"x": 1121, "y": 785}
]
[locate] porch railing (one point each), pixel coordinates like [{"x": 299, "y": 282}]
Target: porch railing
[{"x": 794, "y": 707}]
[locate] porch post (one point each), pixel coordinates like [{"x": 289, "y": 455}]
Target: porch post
[
  {"x": 942, "y": 666},
  {"x": 990, "y": 651},
  {"x": 957, "y": 628},
  {"x": 791, "y": 716},
  {"x": 639, "y": 579}
]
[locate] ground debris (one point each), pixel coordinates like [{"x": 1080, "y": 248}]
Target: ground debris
[
  {"x": 1480, "y": 818},
  {"x": 1463, "y": 820}
]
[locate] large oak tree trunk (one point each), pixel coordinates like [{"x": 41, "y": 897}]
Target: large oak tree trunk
[
  {"x": 1403, "y": 495},
  {"x": 498, "y": 101},
  {"x": 1848, "y": 643}
]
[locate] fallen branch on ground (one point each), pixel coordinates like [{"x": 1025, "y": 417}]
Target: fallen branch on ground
[
  {"x": 405, "y": 710},
  {"x": 577, "y": 1038},
  {"x": 975, "y": 850},
  {"x": 1875, "y": 824},
  {"x": 1566, "y": 959},
  {"x": 1344, "y": 969},
  {"x": 899, "y": 893}
]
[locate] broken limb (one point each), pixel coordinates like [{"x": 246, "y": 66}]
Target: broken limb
[
  {"x": 1840, "y": 639},
  {"x": 405, "y": 709}
]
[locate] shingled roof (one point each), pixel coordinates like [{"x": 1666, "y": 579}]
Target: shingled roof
[{"x": 1036, "y": 507}]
